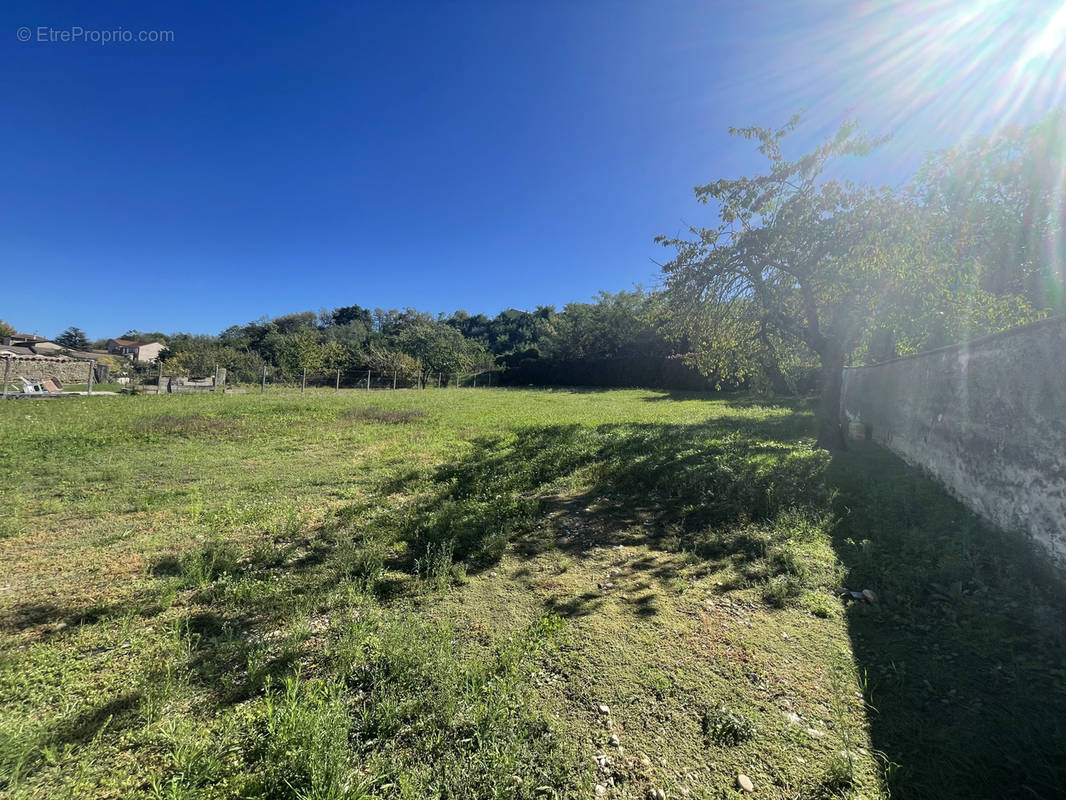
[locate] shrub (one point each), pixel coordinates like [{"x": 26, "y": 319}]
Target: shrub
[{"x": 725, "y": 727}]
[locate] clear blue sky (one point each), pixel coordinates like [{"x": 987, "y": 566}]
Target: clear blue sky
[{"x": 277, "y": 157}]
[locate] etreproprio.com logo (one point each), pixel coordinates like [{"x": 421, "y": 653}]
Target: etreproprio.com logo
[{"x": 79, "y": 34}]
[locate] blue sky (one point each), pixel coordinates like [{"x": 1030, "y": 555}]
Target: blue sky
[{"x": 277, "y": 157}]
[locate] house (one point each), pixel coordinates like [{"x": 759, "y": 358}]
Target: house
[
  {"x": 139, "y": 352},
  {"x": 23, "y": 339},
  {"x": 35, "y": 344}
]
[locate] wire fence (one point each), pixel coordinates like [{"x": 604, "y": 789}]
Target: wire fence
[{"x": 273, "y": 379}]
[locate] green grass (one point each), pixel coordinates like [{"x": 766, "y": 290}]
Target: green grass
[
  {"x": 431, "y": 594},
  {"x": 97, "y": 387}
]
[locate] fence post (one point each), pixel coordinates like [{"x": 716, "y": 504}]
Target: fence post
[
  {"x": 368, "y": 380},
  {"x": 394, "y": 379},
  {"x": 90, "y": 383},
  {"x": 475, "y": 381},
  {"x": 438, "y": 380},
  {"x": 7, "y": 373},
  {"x": 338, "y": 380},
  {"x": 159, "y": 381},
  {"x": 263, "y": 385},
  {"x": 303, "y": 383}
]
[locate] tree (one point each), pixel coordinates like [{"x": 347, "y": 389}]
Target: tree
[
  {"x": 302, "y": 351},
  {"x": 116, "y": 366},
  {"x": 292, "y": 323},
  {"x": 810, "y": 260},
  {"x": 734, "y": 344},
  {"x": 144, "y": 337},
  {"x": 998, "y": 201},
  {"x": 615, "y": 326},
  {"x": 437, "y": 348},
  {"x": 73, "y": 339},
  {"x": 351, "y": 335},
  {"x": 334, "y": 356},
  {"x": 477, "y": 328},
  {"x": 6, "y": 330},
  {"x": 203, "y": 358},
  {"x": 348, "y": 314},
  {"x": 392, "y": 362}
]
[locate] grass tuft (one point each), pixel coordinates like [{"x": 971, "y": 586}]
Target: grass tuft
[{"x": 724, "y": 727}]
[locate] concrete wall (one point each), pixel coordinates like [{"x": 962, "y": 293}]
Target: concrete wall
[
  {"x": 67, "y": 370},
  {"x": 987, "y": 419}
]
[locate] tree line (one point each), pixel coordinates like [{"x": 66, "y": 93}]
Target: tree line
[{"x": 619, "y": 339}]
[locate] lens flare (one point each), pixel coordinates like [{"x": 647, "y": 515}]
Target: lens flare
[{"x": 930, "y": 72}]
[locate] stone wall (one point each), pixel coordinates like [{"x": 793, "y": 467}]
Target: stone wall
[
  {"x": 987, "y": 419},
  {"x": 39, "y": 368}
]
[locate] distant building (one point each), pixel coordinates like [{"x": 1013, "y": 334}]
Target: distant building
[
  {"x": 37, "y": 345},
  {"x": 24, "y": 339},
  {"x": 139, "y": 352}
]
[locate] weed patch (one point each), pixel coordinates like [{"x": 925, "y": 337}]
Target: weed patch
[
  {"x": 387, "y": 416},
  {"x": 724, "y": 727},
  {"x": 189, "y": 426}
]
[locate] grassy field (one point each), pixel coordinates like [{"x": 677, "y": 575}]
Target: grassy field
[
  {"x": 507, "y": 594},
  {"x": 97, "y": 387}
]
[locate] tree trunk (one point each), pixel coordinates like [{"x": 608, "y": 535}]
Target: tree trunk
[
  {"x": 830, "y": 431},
  {"x": 778, "y": 382}
]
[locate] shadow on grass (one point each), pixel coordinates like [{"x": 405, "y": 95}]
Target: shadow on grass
[
  {"x": 690, "y": 482},
  {"x": 736, "y": 399},
  {"x": 964, "y": 660},
  {"x": 55, "y": 618},
  {"x": 85, "y": 726}
]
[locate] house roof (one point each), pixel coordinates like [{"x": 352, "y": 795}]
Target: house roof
[
  {"x": 15, "y": 350},
  {"x": 29, "y": 337},
  {"x": 126, "y": 343}
]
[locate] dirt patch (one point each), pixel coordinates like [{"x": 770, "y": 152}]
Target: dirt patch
[
  {"x": 374, "y": 414},
  {"x": 190, "y": 426}
]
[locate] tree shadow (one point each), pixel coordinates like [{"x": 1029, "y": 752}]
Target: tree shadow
[
  {"x": 85, "y": 726},
  {"x": 54, "y": 618},
  {"x": 695, "y": 483},
  {"x": 963, "y": 659},
  {"x": 964, "y": 655}
]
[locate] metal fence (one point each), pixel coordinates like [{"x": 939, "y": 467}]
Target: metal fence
[{"x": 272, "y": 379}]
